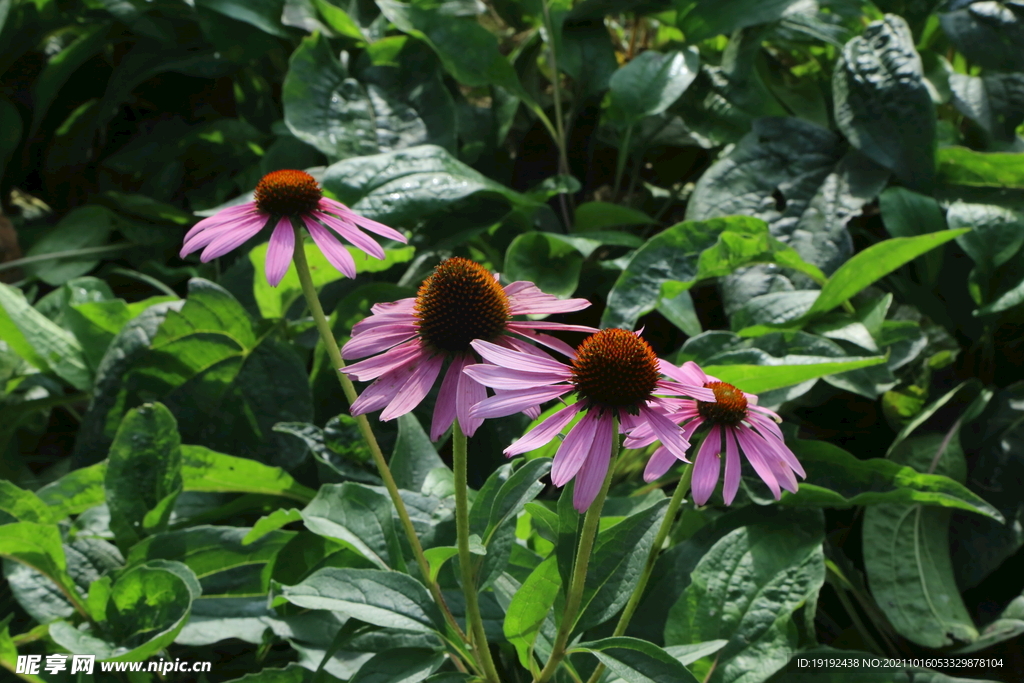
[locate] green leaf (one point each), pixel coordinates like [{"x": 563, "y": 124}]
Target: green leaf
[
  {"x": 468, "y": 51},
  {"x": 40, "y": 341},
  {"x": 906, "y": 553},
  {"x": 382, "y": 598},
  {"x": 1004, "y": 302},
  {"x": 399, "y": 665},
  {"x": 988, "y": 34},
  {"x": 752, "y": 580},
  {"x": 518, "y": 490},
  {"x": 275, "y": 520},
  {"x": 592, "y": 216},
  {"x": 530, "y": 607},
  {"x": 991, "y": 234},
  {"x": 436, "y": 557},
  {"x": 882, "y": 105},
  {"x": 358, "y": 516},
  {"x": 96, "y": 323},
  {"x": 616, "y": 563},
  {"x": 39, "y": 547},
  {"x": 835, "y": 478},
  {"x": 404, "y": 187},
  {"x": 963, "y": 166},
  {"x": 206, "y": 470},
  {"x": 908, "y": 214},
  {"x": 414, "y": 456},
  {"x": 638, "y": 661},
  {"x": 757, "y": 379},
  {"x": 19, "y": 505},
  {"x": 339, "y": 21},
  {"x": 84, "y": 227},
  {"x": 263, "y": 14},
  {"x": 995, "y": 101},
  {"x": 874, "y": 263},
  {"x": 649, "y": 84},
  {"x": 293, "y": 673},
  {"x": 550, "y": 263},
  {"x": 702, "y": 19},
  {"x": 61, "y": 66},
  {"x": 143, "y": 477}
]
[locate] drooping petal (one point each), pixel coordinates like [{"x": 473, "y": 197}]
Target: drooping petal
[
  {"x": 545, "y": 431},
  {"x": 377, "y": 320},
  {"x": 595, "y": 467},
  {"x": 547, "y": 325},
  {"x": 768, "y": 428},
  {"x": 377, "y": 340},
  {"x": 783, "y": 454},
  {"x": 507, "y": 378},
  {"x": 372, "y": 368},
  {"x": 667, "y": 432},
  {"x": 336, "y": 207},
  {"x": 407, "y": 305},
  {"x": 525, "y": 298},
  {"x": 336, "y": 254},
  {"x": 697, "y": 392},
  {"x": 543, "y": 339},
  {"x": 228, "y": 215},
  {"x": 516, "y": 360},
  {"x": 444, "y": 409},
  {"x": 386, "y": 387},
  {"x": 732, "y": 467},
  {"x": 706, "y": 466},
  {"x": 660, "y": 463},
  {"x": 470, "y": 393},
  {"x": 352, "y": 234},
  {"x": 783, "y": 474},
  {"x": 415, "y": 390},
  {"x": 280, "y": 252},
  {"x": 753, "y": 451},
  {"x": 232, "y": 238},
  {"x": 511, "y": 402},
  {"x": 574, "y": 450},
  {"x": 689, "y": 374}
]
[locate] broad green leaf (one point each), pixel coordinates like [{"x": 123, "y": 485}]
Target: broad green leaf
[
  {"x": 991, "y": 234},
  {"x": 19, "y": 505},
  {"x": 753, "y": 579},
  {"x": 637, "y": 661},
  {"x": 616, "y": 563},
  {"x": 906, "y": 553},
  {"x": 702, "y": 19},
  {"x": 963, "y": 166},
  {"x": 39, "y": 547},
  {"x": 96, "y": 323},
  {"x": 547, "y": 261},
  {"x": 339, "y": 21},
  {"x": 206, "y": 470},
  {"x": 987, "y": 33},
  {"x": 293, "y": 673},
  {"x": 874, "y": 263},
  {"x": 399, "y": 665},
  {"x": 1004, "y": 302},
  {"x": 382, "y": 598},
  {"x": 757, "y": 379},
  {"x": 649, "y": 84},
  {"x": 404, "y": 187},
  {"x": 76, "y": 491},
  {"x": 436, "y": 557},
  {"x": 518, "y": 490},
  {"x": 40, "y": 341},
  {"x": 480, "y": 510},
  {"x": 263, "y": 14},
  {"x": 908, "y": 214},
  {"x": 593, "y": 216},
  {"x": 86, "y": 226},
  {"x": 994, "y": 101},
  {"x": 272, "y": 522},
  {"x": 530, "y": 607},
  {"x": 882, "y": 105},
  {"x": 358, "y": 516},
  {"x": 334, "y": 460},
  {"x": 414, "y": 456},
  {"x": 835, "y": 478},
  {"x": 1009, "y": 624},
  {"x": 143, "y": 477}
]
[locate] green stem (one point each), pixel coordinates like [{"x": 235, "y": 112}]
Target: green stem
[
  {"x": 574, "y": 592},
  {"x": 474, "y": 622},
  {"x": 563, "y": 156},
  {"x": 666, "y": 526},
  {"x": 334, "y": 353},
  {"x": 70, "y": 253},
  {"x": 620, "y": 163}
]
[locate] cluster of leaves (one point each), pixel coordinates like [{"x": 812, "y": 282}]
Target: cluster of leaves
[{"x": 766, "y": 187}]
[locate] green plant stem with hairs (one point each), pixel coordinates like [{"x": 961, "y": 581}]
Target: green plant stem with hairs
[
  {"x": 474, "y": 622},
  {"x": 666, "y": 526},
  {"x": 574, "y": 592},
  {"x": 334, "y": 353}
]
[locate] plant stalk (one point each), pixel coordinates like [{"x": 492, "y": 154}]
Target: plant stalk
[
  {"x": 334, "y": 353},
  {"x": 563, "y": 156},
  {"x": 474, "y": 622},
  {"x": 574, "y": 593},
  {"x": 620, "y": 164}
]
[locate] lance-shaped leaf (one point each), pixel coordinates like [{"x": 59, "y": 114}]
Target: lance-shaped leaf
[{"x": 359, "y": 516}]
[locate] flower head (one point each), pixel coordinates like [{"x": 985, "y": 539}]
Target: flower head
[
  {"x": 735, "y": 420},
  {"x": 288, "y": 200},
  {"x": 459, "y": 303},
  {"x": 615, "y": 375}
]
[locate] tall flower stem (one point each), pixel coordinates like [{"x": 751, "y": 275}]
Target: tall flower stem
[
  {"x": 560, "y": 141},
  {"x": 574, "y": 593},
  {"x": 474, "y": 622},
  {"x": 334, "y": 353},
  {"x": 666, "y": 526}
]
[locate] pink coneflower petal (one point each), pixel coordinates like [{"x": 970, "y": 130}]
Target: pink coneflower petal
[
  {"x": 469, "y": 394},
  {"x": 201, "y": 239},
  {"x": 575, "y": 449},
  {"x": 690, "y": 373},
  {"x": 525, "y": 298},
  {"x": 545, "y": 340},
  {"x": 783, "y": 454},
  {"x": 545, "y": 431},
  {"x": 400, "y": 306},
  {"x": 518, "y": 361},
  {"x": 765, "y": 426},
  {"x": 667, "y": 432},
  {"x": 696, "y": 391},
  {"x": 386, "y": 387},
  {"x": 706, "y": 466},
  {"x": 352, "y": 234},
  {"x": 748, "y": 441},
  {"x": 659, "y": 463},
  {"x": 228, "y": 215},
  {"x": 372, "y": 368},
  {"x": 783, "y": 474},
  {"x": 331, "y": 247},
  {"x": 280, "y": 252},
  {"x": 511, "y": 402},
  {"x": 529, "y": 325},
  {"x": 512, "y": 380},
  {"x": 336, "y": 207},
  {"x": 732, "y": 467},
  {"x": 595, "y": 467},
  {"x": 232, "y": 239},
  {"x": 415, "y": 389},
  {"x": 377, "y": 340},
  {"x": 444, "y": 409}
]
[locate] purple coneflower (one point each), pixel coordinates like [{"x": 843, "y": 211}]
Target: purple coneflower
[
  {"x": 459, "y": 303},
  {"x": 287, "y": 199},
  {"x": 734, "y": 418},
  {"x": 615, "y": 374}
]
